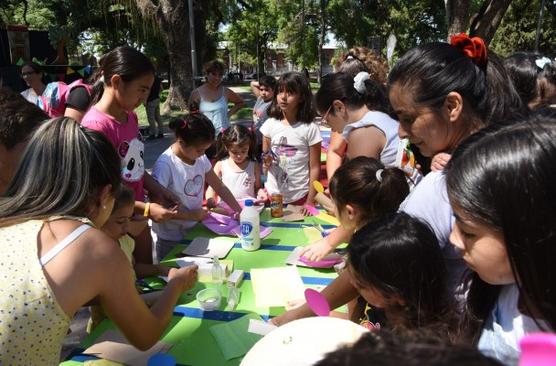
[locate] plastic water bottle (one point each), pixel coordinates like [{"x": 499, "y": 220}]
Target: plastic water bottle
[
  {"x": 249, "y": 222},
  {"x": 217, "y": 271}
]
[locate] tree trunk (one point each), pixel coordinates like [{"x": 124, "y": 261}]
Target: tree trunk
[
  {"x": 489, "y": 17},
  {"x": 172, "y": 17},
  {"x": 457, "y": 14},
  {"x": 321, "y": 37}
]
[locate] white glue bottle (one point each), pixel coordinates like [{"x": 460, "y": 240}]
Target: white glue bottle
[{"x": 249, "y": 223}]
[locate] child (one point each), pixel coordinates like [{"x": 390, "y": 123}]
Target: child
[
  {"x": 291, "y": 142},
  {"x": 236, "y": 165},
  {"x": 127, "y": 76},
  {"x": 183, "y": 169},
  {"x": 117, "y": 227},
  {"x": 264, "y": 92},
  {"x": 362, "y": 190},
  {"x": 397, "y": 267},
  {"x": 500, "y": 185}
]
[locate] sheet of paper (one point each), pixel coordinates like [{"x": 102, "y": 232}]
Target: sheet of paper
[
  {"x": 312, "y": 234},
  {"x": 328, "y": 218},
  {"x": 260, "y": 327},
  {"x": 233, "y": 338},
  {"x": 114, "y": 347},
  {"x": 205, "y": 247},
  {"x": 276, "y": 286}
]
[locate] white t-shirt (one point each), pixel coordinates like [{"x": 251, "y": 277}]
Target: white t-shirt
[
  {"x": 389, "y": 128},
  {"x": 506, "y": 326},
  {"x": 429, "y": 202},
  {"x": 187, "y": 182},
  {"x": 240, "y": 182},
  {"x": 289, "y": 172}
]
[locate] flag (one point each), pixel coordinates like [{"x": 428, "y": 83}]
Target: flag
[{"x": 70, "y": 71}]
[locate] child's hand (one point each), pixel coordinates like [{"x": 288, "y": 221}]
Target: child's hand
[
  {"x": 439, "y": 161},
  {"x": 159, "y": 213},
  {"x": 317, "y": 251},
  {"x": 186, "y": 277},
  {"x": 262, "y": 195},
  {"x": 198, "y": 215},
  {"x": 267, "y": 160}
]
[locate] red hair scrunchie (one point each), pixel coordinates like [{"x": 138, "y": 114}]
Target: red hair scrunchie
[{"x": 472, "y": 47}]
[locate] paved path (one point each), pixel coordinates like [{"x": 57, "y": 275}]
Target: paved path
[{"x": 153, "y": 149}]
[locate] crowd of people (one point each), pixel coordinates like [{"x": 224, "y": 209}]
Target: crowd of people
[{"x": 440, "y": 267}]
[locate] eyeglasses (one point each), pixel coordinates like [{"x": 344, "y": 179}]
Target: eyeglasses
[
  {"x": 23, "y": 74},
  {"x": 323, "y": 121}
]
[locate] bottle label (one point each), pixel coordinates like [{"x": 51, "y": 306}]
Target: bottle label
[{"x": 246, "y": 228}]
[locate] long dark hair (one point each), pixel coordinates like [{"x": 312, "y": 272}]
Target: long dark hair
[
  {"x": 125, "y": 61},
  {"x": 355, "y": 182},
  {"x": 236, "y": 135},
  {"x": 523, "y": 71},
  {"x": 61, "y": 173},
  {"x": 294, "y": 83},
  {"x": 339, "y": 86},
  {"x": 503, "y": 177},
  {"x": 433, "y": 70},
  {"x": 399, "y": 255}
]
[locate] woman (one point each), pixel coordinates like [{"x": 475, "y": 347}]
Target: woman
[
  {"x": 54, "y": 259},
  {"x": 57, "y": 98},
  {"x": 212, "y": 97},
  {"x": 442, "y": 93}
]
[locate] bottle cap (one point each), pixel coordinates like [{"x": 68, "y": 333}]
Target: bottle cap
[{"x": 248, "y": 203}]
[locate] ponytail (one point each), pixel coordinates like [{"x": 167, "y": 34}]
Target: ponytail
[
  {"x": 364, "y": 182},
  {"x": 193, "y": 128}
]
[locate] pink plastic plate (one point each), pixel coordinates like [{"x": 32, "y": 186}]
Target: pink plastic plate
[
  {"x": 317, "y": 302},
  {"x": 538, "y": 349}
]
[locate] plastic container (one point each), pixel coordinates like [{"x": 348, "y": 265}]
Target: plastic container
[
  {"x": 249, "y": 222},
  {"x": 209, "y": 299},
  {"x": 217, "y": 271}
]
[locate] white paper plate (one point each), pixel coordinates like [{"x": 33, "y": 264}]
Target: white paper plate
[{"x": 302, "y": 342}]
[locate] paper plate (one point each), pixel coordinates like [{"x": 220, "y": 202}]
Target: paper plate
[{"x": 302, "y": 342}]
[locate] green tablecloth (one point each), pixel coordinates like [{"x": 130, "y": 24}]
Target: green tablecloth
[{"x": 188, "y": 330}]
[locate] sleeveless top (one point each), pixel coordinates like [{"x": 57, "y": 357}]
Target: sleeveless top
[
  {"x": 216, "y": 111},
  {"x": 387, "y": 125},
  {"x": 32, "y": 323},
  {"x": 242, "y": 183}
]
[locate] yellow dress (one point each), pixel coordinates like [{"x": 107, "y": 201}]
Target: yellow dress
[{"x": 32, "y": 323}]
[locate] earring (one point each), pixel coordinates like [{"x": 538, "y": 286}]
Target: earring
[{"x": 104, "y": 207}]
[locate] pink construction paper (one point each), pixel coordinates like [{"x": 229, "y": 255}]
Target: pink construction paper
[
  {"x": 259, "y": 206},
  {"x": 323, "y": 263},
  {"x": 317, "y": 302}
]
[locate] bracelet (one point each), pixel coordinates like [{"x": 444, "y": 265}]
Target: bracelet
[{"x": 147, "y": 209}]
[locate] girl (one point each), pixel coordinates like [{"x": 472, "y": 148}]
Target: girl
[
  {"x": 239, "y": 171},
  {"x": 500, "y": 186},
  {"x": 54, "y": 260},
  {"x": 397, "y": 267},
  {"x": 183, "y": 169},
  {"x": 442, "y": 93},
  {"x": 363, "y": 191},
  {"x": 124, "y": 80},
  {"x": 344, "y": 102},
  {"x": 291, "y": 141}
]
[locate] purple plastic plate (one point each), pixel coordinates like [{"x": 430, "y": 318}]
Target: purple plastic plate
[
  {"x": 317, "y": 302},
  {"x": 326, "y": 262}
]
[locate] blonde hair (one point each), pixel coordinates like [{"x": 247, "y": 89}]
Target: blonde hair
[{"x": 358, "y": 59}]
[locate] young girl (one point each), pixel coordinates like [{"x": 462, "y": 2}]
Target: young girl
[
  {"x": 396, "y": 266},
  {"x": 291, "y": 142},
  {"x": 363, "y": 191},
  {"x": 183, "y": 169},
  {"x": 54, "y": 260},
  {"x": 126, "y": 76},
  {"x": 500, "y": 184},
  {"x": 236, "y": 166},
  {"x": 344, "y": 103}
]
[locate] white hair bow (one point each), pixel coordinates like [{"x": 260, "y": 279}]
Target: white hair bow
[{"x": 359, "y": 81}]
